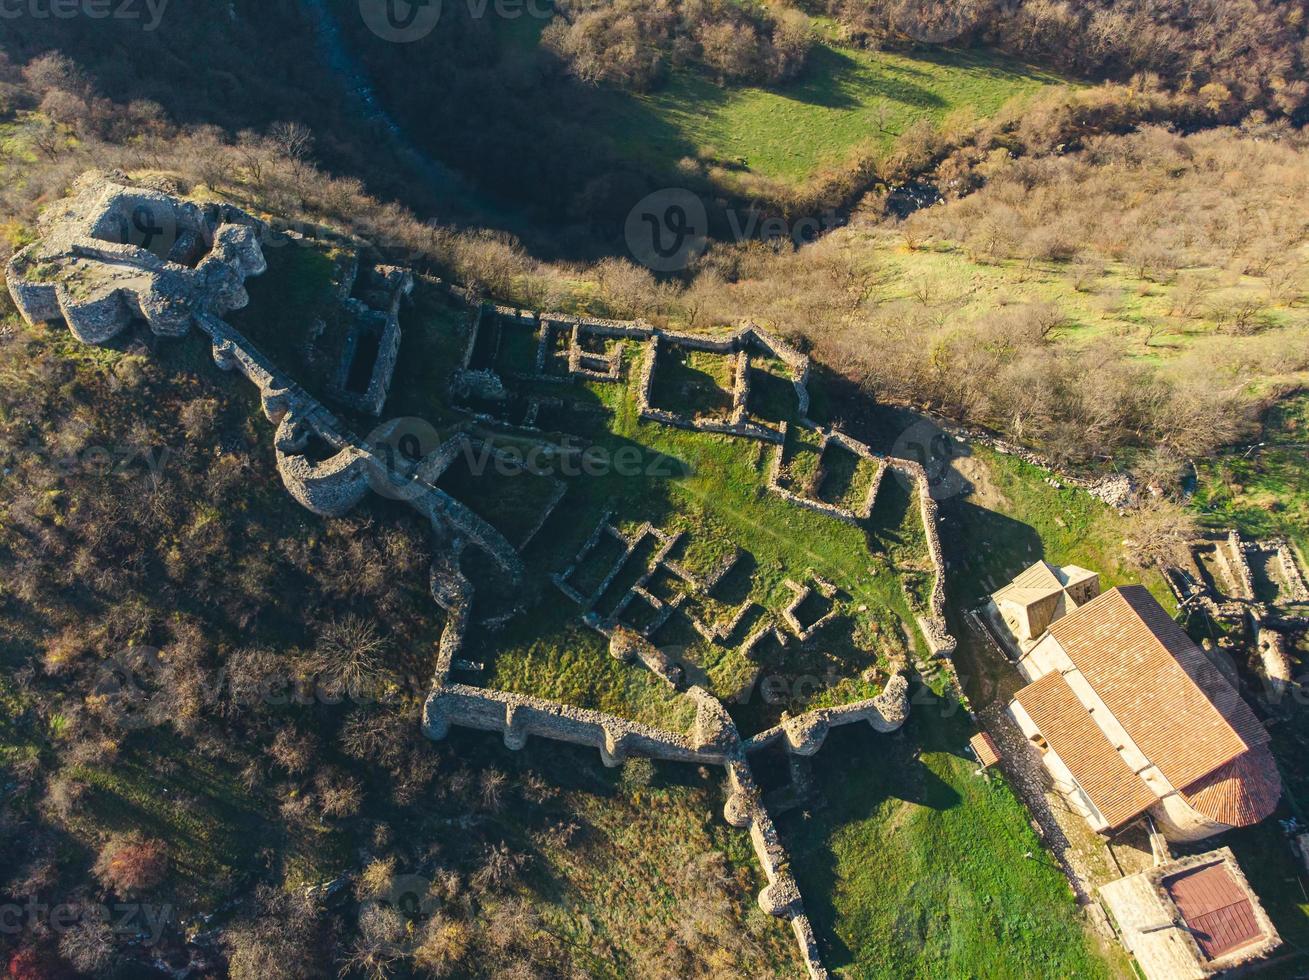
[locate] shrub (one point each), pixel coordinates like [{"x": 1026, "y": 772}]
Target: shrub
[{"x": 131, "y": 864}]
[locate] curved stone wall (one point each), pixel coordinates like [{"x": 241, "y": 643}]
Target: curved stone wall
[{"x": 330, "y": 488}]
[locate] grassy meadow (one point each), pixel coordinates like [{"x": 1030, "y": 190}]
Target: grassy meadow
[
  {"x": 1162, "y": 321},
  {"x": 847, "y": 103},
  {"x": 918, "y": 867}
]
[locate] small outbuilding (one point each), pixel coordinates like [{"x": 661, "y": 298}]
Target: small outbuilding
[
  {"x": 1191, "y": 918},
  {"x": 984, "y": 748},
  {"x": 1042, "y": 594}
]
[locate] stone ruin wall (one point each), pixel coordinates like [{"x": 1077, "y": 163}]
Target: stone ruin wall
[
  {"x": 329, "y": 487},
  {"x": 804, "y": 734},
  {"x": 517, "y": 717},
  {"x": 933, "y": 624},
  {"x": 98, "y": 286},
  {"x": 333, "y": 485},
  {"x": 1236, "y": 566},
  {"x": 737, "y": 344},
  {"x": 1296, "y": 588},
  {"x": 820, "y": 506}
]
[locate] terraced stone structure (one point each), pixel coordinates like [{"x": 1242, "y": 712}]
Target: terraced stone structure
[{"x": 1257, "y": 591}]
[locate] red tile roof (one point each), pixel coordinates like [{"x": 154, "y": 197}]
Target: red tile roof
[
  {"x": 1117, "y": 792},
  {"x": 1215, "y": 907},
  {"x": 1241, "y": 793},
  {"x": 983, "y": 747},
  {"x": 1176, "y": 706}
]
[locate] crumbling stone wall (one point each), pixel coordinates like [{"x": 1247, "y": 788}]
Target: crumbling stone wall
[
  {"x": 748, "y": 337},
  {"x": 932, "y": 623},
  {"x": 94, "y": 271},
  {"x": 332, "y": 487},
  {"x": 804, "y": 734},
  {"x": 711, "y": 741},
  {"x": 1292, "y": 578},
  {"x": 170, "y": 297},
  {"x": 777, "y": 485}
]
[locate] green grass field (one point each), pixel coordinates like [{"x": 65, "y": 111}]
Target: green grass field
[
  {"x": 846, "y": 101},
  {"x": 917, "y": 867},
  {"x": 1155, "y": 322}
]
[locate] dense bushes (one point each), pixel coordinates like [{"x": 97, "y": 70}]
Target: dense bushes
[
  {"x": 1238, "y": 54},
  {"x": 633, "y": 44}
]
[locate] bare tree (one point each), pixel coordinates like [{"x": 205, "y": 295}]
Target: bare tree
[{"x": 1158, "y": 533}]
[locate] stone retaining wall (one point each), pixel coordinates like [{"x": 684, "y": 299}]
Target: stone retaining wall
[
  {"x": 804, "y": 734},
  {"x": 711, "y": 741}
]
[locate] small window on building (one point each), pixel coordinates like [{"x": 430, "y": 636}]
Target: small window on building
[{"x": 1039, "y": 741}]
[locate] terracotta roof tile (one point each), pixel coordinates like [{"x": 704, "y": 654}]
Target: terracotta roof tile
[
  {"x": 1117, "y": 792},
  {"x": 983, "y": 747},
  {"x": 1241, "y": 793},
  {"x": 1215, "y": 908},
  {"x": 1176, "y": 706}
]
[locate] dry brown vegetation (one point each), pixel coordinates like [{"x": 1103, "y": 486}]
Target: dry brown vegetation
[
  {"x": 634, "y": 45},
  {"x": 1239, "y": 54}
]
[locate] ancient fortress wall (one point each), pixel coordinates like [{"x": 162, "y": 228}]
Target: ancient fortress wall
[
  {"x": 804, "y": 734},
  {"x": 98, "y": 287},
  {"x": 933, "y": 623}
]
